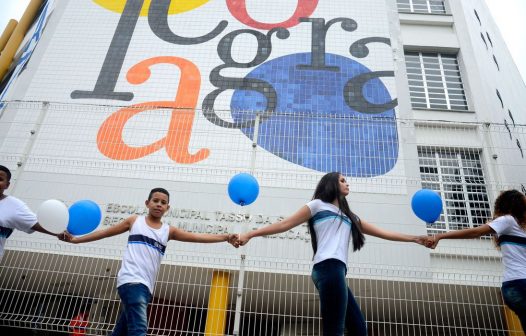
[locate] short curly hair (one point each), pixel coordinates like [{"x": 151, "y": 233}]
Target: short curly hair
[
  {"x": 511, "y": 202},
  {"x": 6, "y": 171}
]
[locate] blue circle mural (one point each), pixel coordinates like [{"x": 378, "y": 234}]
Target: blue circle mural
[{"x": 356, "y": 143}]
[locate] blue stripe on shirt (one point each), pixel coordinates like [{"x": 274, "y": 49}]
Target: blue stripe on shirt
[
  {"x": 326, "y": 214},
  {"x": 512, "y": 240},
  {"x": 141, "y": 239},
  {"x": 5, "y": 232}
]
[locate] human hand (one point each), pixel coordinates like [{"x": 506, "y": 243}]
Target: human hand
[
  {"x": 243, "y": 239},
  {"x": 421, "y": 240},
  {"x": 431, "y": 242},
  {"x": 233, "y": 239},
  {"x": 66, "y": 237}
]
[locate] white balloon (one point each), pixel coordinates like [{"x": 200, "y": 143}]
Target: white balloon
[{"x": 53, "y": 215}]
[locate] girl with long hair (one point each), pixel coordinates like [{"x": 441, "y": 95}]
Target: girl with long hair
[
  {"x": 509, "y": 227},
  {"x": 331, "y": 225}
]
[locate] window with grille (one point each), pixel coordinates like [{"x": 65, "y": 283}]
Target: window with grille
[
  {"x": 435, "y": 81},
  {"x": 458, "y": 177},
  {"x": 422, "y": 6}
]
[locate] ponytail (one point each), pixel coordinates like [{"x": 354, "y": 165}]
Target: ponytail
[{"x": 313, "y": 238}]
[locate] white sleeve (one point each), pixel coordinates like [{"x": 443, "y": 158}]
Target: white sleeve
[
  {"x": 25, "y": 219},
  {"x": 314, "y": 206},
  {"x": 502, "y": 225}
]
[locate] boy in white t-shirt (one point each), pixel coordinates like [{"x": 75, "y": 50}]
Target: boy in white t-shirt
[{"x": 14, "y": 214}]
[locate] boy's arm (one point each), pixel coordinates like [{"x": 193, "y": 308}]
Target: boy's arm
[
  {"x": 38, "y": 228},
  {"x": 122, "y": 227},
  {"x": 185, "y": 236}
]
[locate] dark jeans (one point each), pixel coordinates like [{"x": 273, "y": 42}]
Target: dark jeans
[
  {"x": 339, "y": 309},
  {"x": 133, "y": 318},
  {"x": 514, "y": 294}
]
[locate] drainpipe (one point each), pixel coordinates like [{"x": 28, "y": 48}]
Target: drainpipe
[
  {"x": 8, "y": 31},
  {"x": 17, "y": 36}
]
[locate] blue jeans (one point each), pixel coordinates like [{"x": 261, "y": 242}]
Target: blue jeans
[
  {"x": 514, "y": 294},
  {"x": 339, "y": 309},
  {"x": 133, "y": 318}
]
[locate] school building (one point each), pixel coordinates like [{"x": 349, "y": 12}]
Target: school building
[{"x": 107, "y": 99}]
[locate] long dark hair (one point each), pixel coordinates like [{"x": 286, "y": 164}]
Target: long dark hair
[
  {"x": 511, "y": 202},
  {"x": 327, "y": 190}
]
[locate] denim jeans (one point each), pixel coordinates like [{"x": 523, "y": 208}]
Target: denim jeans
[
  {"x": 514, "y": 294},
  {"x": 133, "y": 317},
  {"x": 339, "y": 309}
]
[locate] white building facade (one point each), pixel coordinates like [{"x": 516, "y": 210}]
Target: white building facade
[{"x": 109, "y": 99}]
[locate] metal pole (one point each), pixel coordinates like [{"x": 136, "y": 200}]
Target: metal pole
[
  {"x": 29, "y": 146},
  {"x": 241, "y": 281}
]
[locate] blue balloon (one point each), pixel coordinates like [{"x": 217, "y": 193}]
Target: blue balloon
[
  {"x": 243, "y": 189},
  {"x": 84, "y": 217},
  {"x": 427, "y": 205}
]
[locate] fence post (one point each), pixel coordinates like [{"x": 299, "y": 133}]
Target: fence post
[
  {"x": 241, "y": 280},
  {"x": 29, "y": 145}
]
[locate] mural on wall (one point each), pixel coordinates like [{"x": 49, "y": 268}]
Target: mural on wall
[{"x": 295, "y": 70}]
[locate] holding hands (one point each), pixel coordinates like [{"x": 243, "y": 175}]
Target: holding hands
[
  {"x": 233, "y": 239},
  {"x": 66, "y": 237},
  {"x": 243, "y": 239},
  {"x": 431, "y": 242},
  {"x": 238, "y": 240}
]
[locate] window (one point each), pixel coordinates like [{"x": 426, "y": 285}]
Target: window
[
  {"x": 508, "y": 128},
  {"x": 484, "y": 40},
  {"x": 457, "y": 175},
  {"x": 500, "y": 98},
  {"x": 478, "y": 17},
  {"x": 422, "y": 6},
  {"x": 511, "y": 117},
  {"x": 435, "y": 82},
  {"x": 489, "y": 39},
  {"x": 496, "y": 63}
]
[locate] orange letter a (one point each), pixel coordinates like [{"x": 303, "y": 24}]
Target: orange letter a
[{"x": 110, "y": 136}]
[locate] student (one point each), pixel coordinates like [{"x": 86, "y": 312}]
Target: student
[
  {"x": 146, "y": 246},
  {"x": 331, "y": 225},
  {"x": 14, "y": 214},
  {"x": 509, "y": 226}
]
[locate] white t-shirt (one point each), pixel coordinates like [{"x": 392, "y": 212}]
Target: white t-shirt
[
  {"x": 512, "y": 240},
  {"x": 333, "y": 230},
  {"x": 142, "y": 258},
  {"x": 14, "y": 214}
]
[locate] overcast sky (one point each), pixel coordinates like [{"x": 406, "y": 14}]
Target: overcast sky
[{"x": 508, "y": 14}]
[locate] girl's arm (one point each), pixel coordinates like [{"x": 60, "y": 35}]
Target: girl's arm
[
  {"x": 373, "y": 230},
  {"x": 475, "y": 232},
  {"x": 301, "y": 216},
  {"x": 185, "y": 236},
  {"x": 122, "y": 227}
]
